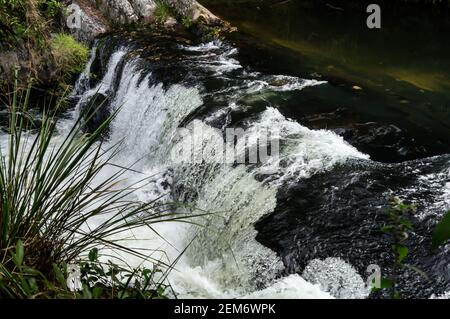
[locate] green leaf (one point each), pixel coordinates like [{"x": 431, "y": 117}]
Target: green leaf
[
  {"x": 387, "y": 229},
  {"x": 33, "y": 285},
  {"x": 59, "y": 276},
  {"x": 97, "y": 292},
  {"x": 386, "y": 283},
  {"x": 124, "y": 294},
  {"x": 160, "y": 290},
  {"x": 93, "y": 254},
  {"x": 18, "y": 256},
  {"x": 406, "y": 223},
  {"x": 86, "y": 293},
  {"x": 402, "y": 252},
  {"x": 441, "y": 232}
]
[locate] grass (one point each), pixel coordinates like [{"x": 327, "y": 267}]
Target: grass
[
  {"x": 163, "y": 11},
  {"x": 27, "y": 28},
  {"x": 69, "y": 55},
  {"x": 47, "y": 199}
]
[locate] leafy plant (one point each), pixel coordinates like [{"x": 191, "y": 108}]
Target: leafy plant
[
  {"x": 163, "y": 11},
  {"x": 26, "y": 27},
  {"x": 52, "y": 8},
  {"x": 187, "y": 22},
  {"x": 398, "y": 228},
  {"x": 48, "y": 197},
  {"x": 110, "y": 280},
  {"x": 441, "y": 233},
  {"x": 69, "y": 55}
]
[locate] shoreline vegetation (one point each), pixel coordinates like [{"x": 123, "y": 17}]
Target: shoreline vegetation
[
  {"x": 46, "y": 189},
  {"x": 34, "y": 41},
  {"x": 35, "y": 38},
  {"x": 53, "y": 218}
]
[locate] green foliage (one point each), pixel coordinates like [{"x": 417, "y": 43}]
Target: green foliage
[
  {"x": 47, "y": 198},
  {"x": 109, "y": 280},
  {"x": 52, "y": 10},
  {"x": 26, "y": 27},
  {"x": 187, "y": 22},
  {"x": 12, "y": 21},
  {"x": 398, "y": 227},
  {"x": 69, "y": 55},
  {"x": 27, "y": 19},
  {"x": 163, "y": 11},
  {"x": 442, "y": 232},
  {"x": 98, "y": 280},
  {"x": 385, "y": 283}
]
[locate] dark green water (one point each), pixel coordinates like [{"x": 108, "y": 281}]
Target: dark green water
[{"x": 388, "y": 90}]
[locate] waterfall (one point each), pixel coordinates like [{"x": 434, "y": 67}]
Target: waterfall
[{"x": 223, "y": 258}]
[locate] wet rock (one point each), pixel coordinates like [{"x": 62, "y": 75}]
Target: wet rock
[
  {"x": 96, "y": 111},
  {"x": 387, "y": 142},
  {"x": 340, "y": 213}
]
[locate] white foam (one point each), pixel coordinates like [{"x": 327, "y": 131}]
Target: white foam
[
  {"x": 291, "y": 287},
  {"x": 282, "y": 83},
  {"x": 82, "y": 83},
  {"x": 305, "y": 152},
  {"x": 337, "y": 277},
  {"x": 445, "y": 295},
  {"x": 204, "y": 47}
]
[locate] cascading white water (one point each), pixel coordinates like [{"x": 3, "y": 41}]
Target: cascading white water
[{"x": 223, "y": 258}]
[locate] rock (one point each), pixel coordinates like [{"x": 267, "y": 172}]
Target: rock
[
  {"x": 98, "y": 15},
  {"x": 96, "y": 111},
  {"x": 144, "y": 9},
  {"x": 170, "y": 22},
  {"x": 387, "y": 142},
  {"x": 9, "y": 60},
  {"x": 119, "y": 11},
  {"x": 200, "y": 12},
  {"x": 93, "y": 23}
]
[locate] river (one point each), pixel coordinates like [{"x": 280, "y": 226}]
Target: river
[{"x": 357, "y": 120}]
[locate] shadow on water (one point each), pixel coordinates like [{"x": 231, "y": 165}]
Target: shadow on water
[{"x": 388, "y": 89}]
